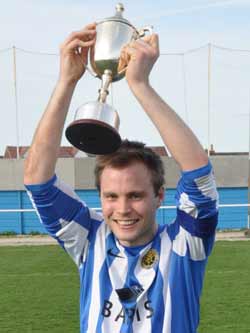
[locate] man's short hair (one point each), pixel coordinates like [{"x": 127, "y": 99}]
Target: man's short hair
[{"x": 128, "y": 153}]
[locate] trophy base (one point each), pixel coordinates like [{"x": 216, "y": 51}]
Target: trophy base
[{"x": 93, "y": 136}]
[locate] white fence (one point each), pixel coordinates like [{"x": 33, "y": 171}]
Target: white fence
[
  {"x": 236, "y": 216},
  {"x": 209, "y": 87},
  {"x": 99, "y": 208}
]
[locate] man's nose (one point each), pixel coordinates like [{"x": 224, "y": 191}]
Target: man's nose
[{"x": 124, "y": 206}]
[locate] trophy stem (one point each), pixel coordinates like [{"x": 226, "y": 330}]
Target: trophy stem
[{"x": 106, "y": 80}]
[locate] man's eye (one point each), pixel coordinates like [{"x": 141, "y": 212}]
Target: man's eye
[
  {"x": 110, "y": 196},
  {"x": 135, "y": 196}
]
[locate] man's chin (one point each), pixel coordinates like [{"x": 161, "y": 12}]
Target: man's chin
[{"x": 125, "y": 239}]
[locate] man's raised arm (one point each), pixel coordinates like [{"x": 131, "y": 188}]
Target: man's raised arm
[
  {"x": 179, "y": 139},
  {"x": 43, "y": 153}
]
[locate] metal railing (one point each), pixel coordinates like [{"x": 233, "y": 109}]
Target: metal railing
[
  {"x": 99, "y": 208},
  {"x": 20, "y": 223}
]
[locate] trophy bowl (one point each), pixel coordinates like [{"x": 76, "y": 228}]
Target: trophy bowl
[{"x": 112, "y": 34}]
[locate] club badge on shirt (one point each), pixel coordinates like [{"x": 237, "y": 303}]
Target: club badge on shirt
[{"x": 150, "y": 259}]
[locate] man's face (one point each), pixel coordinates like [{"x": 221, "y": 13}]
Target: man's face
[{"x": 129, "y": 203}]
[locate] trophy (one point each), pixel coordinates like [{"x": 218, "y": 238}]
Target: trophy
[{"x": 95, "y": 127}]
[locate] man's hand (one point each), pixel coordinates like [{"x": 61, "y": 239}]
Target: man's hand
[
  {"x": 140, "y": 55},
  {"x": 74, "y": 53}
]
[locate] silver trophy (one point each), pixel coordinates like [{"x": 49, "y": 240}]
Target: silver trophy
[{"x": 95, "y": 127}]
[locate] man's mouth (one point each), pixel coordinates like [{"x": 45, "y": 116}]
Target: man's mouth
[{"x": 126, "y": 222}]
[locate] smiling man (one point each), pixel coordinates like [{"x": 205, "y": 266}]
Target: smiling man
[
  {"x": 135, "y": 276},
  {"x": 129, "y": 202}
]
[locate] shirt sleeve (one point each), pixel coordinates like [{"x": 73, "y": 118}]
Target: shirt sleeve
[
  {"x": 192, "y": 235},
  {"x": 197, "y": 201},
  {"x": 193, "y": 231},
  {"x": 64, "y": 215}
]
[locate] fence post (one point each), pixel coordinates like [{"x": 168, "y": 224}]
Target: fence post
[
  {"x": 185, "y": 88},
  {"x": 16, "y": 102},
  {"x": 208, "y": 100},
  {"x": 248, "y": 183}
]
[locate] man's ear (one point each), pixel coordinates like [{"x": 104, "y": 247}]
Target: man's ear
[{"x": 161, "y": 195}]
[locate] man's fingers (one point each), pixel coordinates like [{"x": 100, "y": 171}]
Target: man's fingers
[
  {"x": 129, "y": 53},
  {"x": 147, "y": 45},
  {"x": 84, "y": 34},
  {"x": 81, "y": 34},
  {"x": 124, "y": 60},
  {"x": 75, "y": 44},
  {"x": 152, "y": 40},
  {"x": 135, "y": 49},
  {"x": 91, "y": 26}
]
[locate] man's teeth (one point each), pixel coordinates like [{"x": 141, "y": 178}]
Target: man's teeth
[{"x": 126, "y": 222}]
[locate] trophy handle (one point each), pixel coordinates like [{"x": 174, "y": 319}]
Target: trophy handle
[
  {"x": 142, "y": 32},
  {"x": 139, "y": 34},
  {"x": 90, "y": 71}
]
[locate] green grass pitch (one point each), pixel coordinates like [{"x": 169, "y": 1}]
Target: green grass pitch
[{"x": 39, "y": 289}]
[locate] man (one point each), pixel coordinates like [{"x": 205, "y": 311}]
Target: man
[{"x": 135, "y": 275}]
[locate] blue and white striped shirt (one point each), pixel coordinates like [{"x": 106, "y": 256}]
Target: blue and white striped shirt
[{"x": 154, "y": 288}]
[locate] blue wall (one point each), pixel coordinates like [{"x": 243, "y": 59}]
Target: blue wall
[{"x": 28, "y": 222}]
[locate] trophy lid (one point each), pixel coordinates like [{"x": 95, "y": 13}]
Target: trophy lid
[{"x": 118, "y": 16}]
